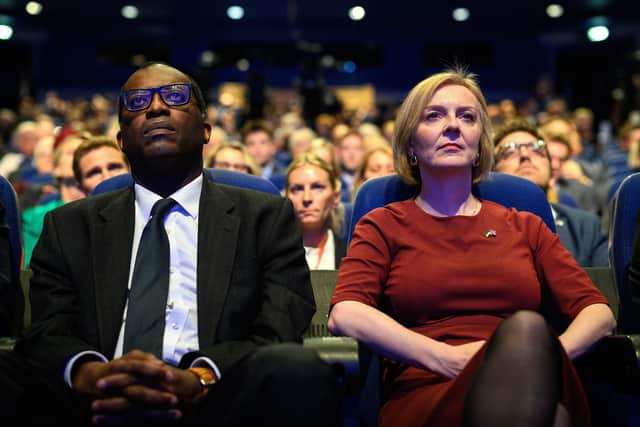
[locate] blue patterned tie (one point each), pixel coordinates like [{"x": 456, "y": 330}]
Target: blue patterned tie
[{"x": 144, "y": 328}]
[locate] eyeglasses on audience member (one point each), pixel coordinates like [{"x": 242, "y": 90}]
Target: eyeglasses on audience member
[
  {"x": 512, "y": 149},
  {"x": 173, "y": 95}
]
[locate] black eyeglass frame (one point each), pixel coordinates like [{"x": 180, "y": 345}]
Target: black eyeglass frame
[{"x": 164, "y": 92}]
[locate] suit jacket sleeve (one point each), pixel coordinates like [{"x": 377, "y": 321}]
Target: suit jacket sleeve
[
  {"x": 269, "y": 298},
  {"x": 52, "y": 337}
]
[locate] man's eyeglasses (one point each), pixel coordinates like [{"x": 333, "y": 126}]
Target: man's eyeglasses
[
  {"x": 512, "y": 149},
  {"x": 173, "y": 95}
]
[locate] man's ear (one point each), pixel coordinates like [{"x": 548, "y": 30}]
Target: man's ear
[
  {"x": 119, "y": 139},
  {"x": 207, "y": 132}
]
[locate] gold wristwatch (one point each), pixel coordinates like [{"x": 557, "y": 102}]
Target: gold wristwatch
[{"x": 206, "y": 377}]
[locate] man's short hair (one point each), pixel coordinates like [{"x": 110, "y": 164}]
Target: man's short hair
[
  {"x": 256, "y": 126},
  {"x": 515, "y": 125},
  {"x": 559, "y": 138}
]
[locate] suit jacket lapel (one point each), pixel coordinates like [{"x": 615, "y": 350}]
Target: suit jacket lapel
[
  {"x": 113, "y": 231},
  {"x": 217, "y": 240}
]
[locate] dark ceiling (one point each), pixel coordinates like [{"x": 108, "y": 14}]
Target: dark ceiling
[
  {"x": 316, "y": 19},
  {"x": 77, "y": 45}
]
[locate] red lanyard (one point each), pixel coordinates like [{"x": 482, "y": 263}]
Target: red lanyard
[{"x": 321, "y": 246}]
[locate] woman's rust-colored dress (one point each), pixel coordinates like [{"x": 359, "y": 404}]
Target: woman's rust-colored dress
[{"x": 454, "y": 279}]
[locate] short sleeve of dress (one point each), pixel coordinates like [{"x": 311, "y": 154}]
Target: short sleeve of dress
[
  {"x": 364, "y": 269},
  {"x": 568, "y": 283}
]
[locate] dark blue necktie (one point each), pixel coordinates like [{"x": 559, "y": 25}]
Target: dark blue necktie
[{"x": 144, "y": 327}]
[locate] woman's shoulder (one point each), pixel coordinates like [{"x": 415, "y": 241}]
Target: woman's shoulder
[
  {"x": 519, "y": 218},
  {"x": 400, "y": 209}
]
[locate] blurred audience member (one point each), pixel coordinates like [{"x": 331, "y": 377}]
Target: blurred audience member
[
  {"x": 314, "y": 189},
  {"x": 300, "y": 140},
  {"x": 387, "y": 130},
  {"x": 69, "y": 190},
  {"x": 17, "y": 162},
  {"x": 350, "y": 150},
  {"x": 217, "y": 138},
  {"x": 377, "y": 162},
  {"x": 258, "y": 138},
  {"x": 339, "y": 131},
  {"x": 235, "y": 157},
  {"x": 324, "y": 149},
  {"x": 323, "y": 124},
  {"x": 582, "y": 118},
  {"x": 562, "y": 173}
]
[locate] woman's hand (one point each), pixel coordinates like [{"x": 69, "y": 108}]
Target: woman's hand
[{"x": 450, "y": 360}]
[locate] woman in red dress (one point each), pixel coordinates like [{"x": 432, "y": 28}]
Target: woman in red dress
[{"x": 447, "y": 287}]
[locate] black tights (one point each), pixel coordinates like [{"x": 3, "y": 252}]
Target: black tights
[{"x": 519, "y": 382}]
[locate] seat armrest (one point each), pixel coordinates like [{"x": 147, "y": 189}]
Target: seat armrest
[{"x": 342, "y": 351}]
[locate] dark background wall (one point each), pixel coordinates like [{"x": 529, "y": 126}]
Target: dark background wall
[{"x": 77, "y": 48}]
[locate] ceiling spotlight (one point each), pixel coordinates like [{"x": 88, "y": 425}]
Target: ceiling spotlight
[
  {"x": 129, "y": 12},
  {"x": 243, "y": 64},
  {"x": 554, "y": 11},
  {"x": 207, "y": 58},
  {"x": 235, "y": 12},
  {"x": 460, "y": 14},
  {"x": 356, "y": 13},
  {"x": 6, "y": 32},
  {"x": 33, "y": 8},
  {"x": 598, "y": 33}
]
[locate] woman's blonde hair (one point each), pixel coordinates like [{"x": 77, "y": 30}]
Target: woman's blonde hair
[
  {"x": 411, "y": 110},
  {"x": 336, "y": 217}
]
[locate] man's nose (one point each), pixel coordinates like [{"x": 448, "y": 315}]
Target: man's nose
[{"x": 157, "y": 104}]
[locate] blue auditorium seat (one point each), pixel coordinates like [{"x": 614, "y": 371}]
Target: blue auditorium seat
[
  {"x": 221, "y": 176},
  {"x": 507, "y": 190}
]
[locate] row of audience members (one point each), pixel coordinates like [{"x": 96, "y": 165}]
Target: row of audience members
[
  {"x": 97, "y": 158},
  {"x": 445, "y": 336}
]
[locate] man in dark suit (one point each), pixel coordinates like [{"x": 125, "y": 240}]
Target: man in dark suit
[
  {"x": 520, "y": 151},
  {"x": 238, "y": 298}
]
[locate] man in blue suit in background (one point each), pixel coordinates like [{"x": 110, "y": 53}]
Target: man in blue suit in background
[{"x": 521, "y": 151}]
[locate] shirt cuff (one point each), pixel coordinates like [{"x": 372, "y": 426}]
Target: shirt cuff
[
  {"x": 205, "y": 362},
  {"x": 70, "y": 364}
]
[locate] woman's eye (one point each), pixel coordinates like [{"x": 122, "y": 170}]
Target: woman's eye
[
  {"x": 431, "y": 115},
  {"x": 468, "y": 117}
]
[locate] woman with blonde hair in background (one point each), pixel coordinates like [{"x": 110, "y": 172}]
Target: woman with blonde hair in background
[
  {"x": 313, "y": 187},
  {"x": 378, "y": 161}
]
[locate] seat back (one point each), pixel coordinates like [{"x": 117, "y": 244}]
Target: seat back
[
  {"x": 221, "y": 176},
  {"x": 507, "y": 190},
  {"x": 10, "y": 226},
  {"x": 625, "y": 208}
]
